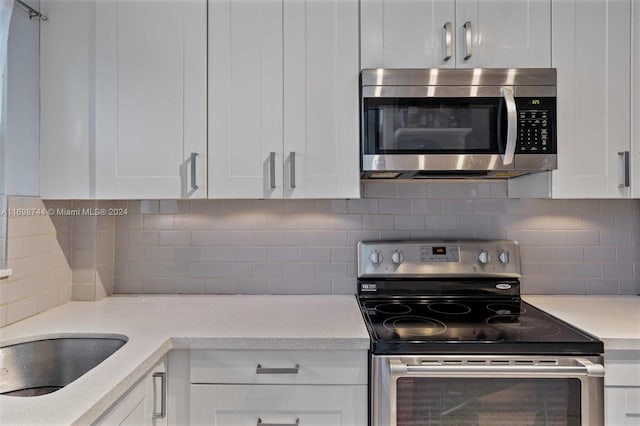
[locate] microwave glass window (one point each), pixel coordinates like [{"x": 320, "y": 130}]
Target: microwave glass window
[
  {"x": 423, "y": 125},
  {"x": 488, "y": 401}
]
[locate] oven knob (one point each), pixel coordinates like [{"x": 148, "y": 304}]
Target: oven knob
[
  {"x": 503, "y": 257},
  {"x": 375, "y": 257},
  {"x": 483, "y": 257},
  {"x": 397, "y": 257}
]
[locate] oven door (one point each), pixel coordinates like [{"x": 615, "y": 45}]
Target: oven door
[{"x": 487, "y": 390}]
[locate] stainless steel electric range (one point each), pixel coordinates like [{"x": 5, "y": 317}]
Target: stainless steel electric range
[{"x": 452, "y": 343}]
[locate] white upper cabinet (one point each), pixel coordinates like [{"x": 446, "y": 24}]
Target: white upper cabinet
[
  {"x": 283, "y": 99},
  {"x": 460, "y": 33},
  {"x": 592, "y": 53},
  {"x": 134, "y": 125},
  {"x": 407, "y": 33},
  {"x": 245, "y": 99},
  {"x": 321, "y": 125}
]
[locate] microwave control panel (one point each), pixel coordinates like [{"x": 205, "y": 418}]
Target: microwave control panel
[{"x": 536, "y": 133}]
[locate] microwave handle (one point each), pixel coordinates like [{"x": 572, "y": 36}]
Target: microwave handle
[{"x": 512, "y": 125}]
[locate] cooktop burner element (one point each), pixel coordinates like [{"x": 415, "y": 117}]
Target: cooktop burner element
[
  {"x": 449, "y": 308},
  {"x": 392, "y": 308},
  {"x": 441, "y": 297},
  {"x": 407, "y": 326}
]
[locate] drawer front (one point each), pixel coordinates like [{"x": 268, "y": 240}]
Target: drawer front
[
  {"x": 309, "y": 405},
  {"x": 279, "y": 367},
  {"x": 622, "y": 406},
  {"x": 622, "y": 368}
]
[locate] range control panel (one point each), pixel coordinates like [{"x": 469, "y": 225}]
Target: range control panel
[
  {"x": 536, "y": 133},
  {"x": 455, "y": 258}
]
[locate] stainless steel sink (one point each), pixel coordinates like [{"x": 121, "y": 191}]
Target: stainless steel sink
[{"x": 39, "y": 367}]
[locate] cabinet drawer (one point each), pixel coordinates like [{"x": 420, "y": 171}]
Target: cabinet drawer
[
  {"x": 279, "y": 367},
  {"x": 622, "y": 368},
  {"x": 622, "y": 406},
  {"x": 310, "y": 405}
]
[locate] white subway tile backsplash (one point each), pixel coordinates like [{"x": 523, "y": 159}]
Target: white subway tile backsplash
[
  {"x": 191, "y": 286},
  {"x": 221, "y": 286},
  {"x": 427, "y": 206},
  {"x": 379, "y": 190},
  {"x": 175, "y": 238},
  {"x": 629, "y": 287},
  {"x": 621, "y": 271},
  {"x": 409, "y": 222},
  {"x": 308, "y": 246},
  {"x": 583, "y": 238},
  {"x": 378, "y": 222},
  {"x": 157, "y": 222},
  {"x": 412, "y": 190},
  {"x": 363, "y": 205},
  {"x": 395, "y": 206},
  {"x": 616, "y": 238},
  {"x": 586, "y": 270},
  {"x": 603, "y": 287},
  {"x": 315, "y": 254},
  {"x": 570, "y": 286},
  {"x": 281, "y": 286}
]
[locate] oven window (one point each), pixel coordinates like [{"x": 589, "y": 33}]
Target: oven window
[
  {"x": 423, "y": 125},
  {"x": 487, "y": 401}
]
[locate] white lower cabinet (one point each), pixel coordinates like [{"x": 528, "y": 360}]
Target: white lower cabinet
[
  {"x": 144, "y": 404},
  {"x": 622, "y": 388},
  {"x": 323, "y": 388},
  {"x": 308, "y": 405}
]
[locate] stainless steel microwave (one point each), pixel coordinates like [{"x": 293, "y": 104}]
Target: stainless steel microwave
[{"x": 457, "y": 123}]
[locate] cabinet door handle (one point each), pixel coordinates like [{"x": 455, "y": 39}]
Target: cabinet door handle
[
  {"x": 512, "y": 125},
  {"x": 272, "y": 170},
  {"x": 625, "y": 180},
  {"x": 261, "y": 370},
  {"x": 261, "y": 423},
  {"x": 467, "y": 40},
  {"x": 163, "y": 395},
  {"x": 447, "y": 41},
  {"x": 292, "y": 169},
  {"x": 194, "y": 185}
]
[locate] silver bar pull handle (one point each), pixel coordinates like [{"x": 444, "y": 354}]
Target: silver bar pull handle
[
  {"x": 625, "y": 180},
  {"x": 262, "y": 370},
  {"x": 163, "y": 395},
  {"x": 468, "y": 39},
  {"x": 261, "y": 423},
  {"x": 272, "y": 170},
  {"x": 447, "y": 41},
  {"x": 512, "y": 126},
  {"x": 585, "y": 368},
  {"x": 194, "y": 185},
  {"x": 292, "y": 169}
]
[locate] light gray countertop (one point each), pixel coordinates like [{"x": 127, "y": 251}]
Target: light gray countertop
[
  {"x": 157, "y": 324},
  {"x": 613, "y": 319}
]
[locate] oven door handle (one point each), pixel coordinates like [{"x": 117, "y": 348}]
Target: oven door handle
[
  {"x": 512, "y": 125},
  {"x": 584, "y": 368}
]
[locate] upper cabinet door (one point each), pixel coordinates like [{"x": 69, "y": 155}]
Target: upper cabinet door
[
  {"x": 245, "y": 99},
  {"x": 407, "y": 33},
  {"x": 592, "y": 53},
  {"x": 150, "y": 99},
  {"x": 503, "y": 33},
  {"x": 321, "y": 70}
]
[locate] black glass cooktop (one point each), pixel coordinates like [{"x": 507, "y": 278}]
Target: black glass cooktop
[{"x": 439, "y": 325}]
